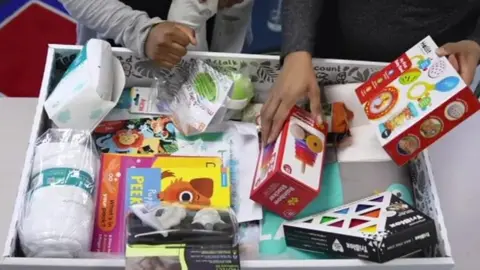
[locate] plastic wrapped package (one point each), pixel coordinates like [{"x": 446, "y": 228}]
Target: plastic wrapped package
[
  {"x": 196, "y": 95},
  {"x": 180, "y": 223},
  {"x": 181, "y": 236},
  {"x": 249, "y": 240},
  {"x": 59, "y": 211}
]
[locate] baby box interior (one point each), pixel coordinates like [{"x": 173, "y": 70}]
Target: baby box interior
[{"x": 363, "y": 169}]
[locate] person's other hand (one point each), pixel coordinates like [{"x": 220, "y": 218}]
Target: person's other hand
[
  {"x": 296, "y": 80},
  {"x": 464, "y": 56},
  {"x": 167, "y": 43}
]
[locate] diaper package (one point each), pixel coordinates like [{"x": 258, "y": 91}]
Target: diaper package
[
  {"x": 194, "y": 14},
  {"x": 59, "y": 211},
  {"x": 89, "y": 89}
]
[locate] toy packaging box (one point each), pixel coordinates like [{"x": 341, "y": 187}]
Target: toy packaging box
[
  {"x": 415, "y": 100},
  {"x": 379, "y": 228},
  {"x": 289, "y": 170},
  {"x": 198, "y": 180}
]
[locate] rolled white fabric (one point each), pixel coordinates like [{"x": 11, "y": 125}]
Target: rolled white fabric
[{"x": 59, "y": 211}]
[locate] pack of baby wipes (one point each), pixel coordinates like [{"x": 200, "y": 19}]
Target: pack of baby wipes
[{"x": 89, "y": 89}]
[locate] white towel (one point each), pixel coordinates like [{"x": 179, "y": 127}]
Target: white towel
[{"x": 59, "y": 212}]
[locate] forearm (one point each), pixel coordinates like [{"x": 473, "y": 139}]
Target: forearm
[
  {"x": 113, "y": 19},
  {"x": 299, "y": 22}
]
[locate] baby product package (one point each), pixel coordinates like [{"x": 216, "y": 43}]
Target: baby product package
[
  {"x": 89, "y": 89},
  {"x": 177, "y": 236},
  {"x": 289, "y": 170},
  {"x": 194, "y": 14},
  {"x": 59, "y": 211},
  {"x": 415, "y": 100},
  {"x": 199, "y": 100}
]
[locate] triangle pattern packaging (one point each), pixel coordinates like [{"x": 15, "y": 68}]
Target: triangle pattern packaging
[{"x": 379, "y": 228}]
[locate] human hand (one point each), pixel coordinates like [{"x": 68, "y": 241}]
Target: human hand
[
  {"x": 295, "y": 81},
  {"x": 167, "y": 43},
  {"x": 464, "y": 56},
  {"x": 224, "y": 3}
]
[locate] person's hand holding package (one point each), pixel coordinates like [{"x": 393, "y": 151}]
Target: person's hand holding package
[
  {"x": 464, "y": 56},
  {"x": 296, "y": 81},
  {"x": 167, "y": 43}
]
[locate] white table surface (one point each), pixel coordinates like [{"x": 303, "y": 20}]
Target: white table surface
[{"x": 456, "y": 169}]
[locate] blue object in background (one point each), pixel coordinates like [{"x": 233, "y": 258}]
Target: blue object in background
[{"x": 266, "y": 27}]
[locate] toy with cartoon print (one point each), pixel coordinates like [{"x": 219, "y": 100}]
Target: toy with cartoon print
[
  {"x": 153, "y": 135},
  {"x": 175, "y": 223},
  {"x": 379, "y": 228},
  {"x": 283, "y": 182},
  {"x": 397, "y": 120},
  {"x": 424, "y": 81}
]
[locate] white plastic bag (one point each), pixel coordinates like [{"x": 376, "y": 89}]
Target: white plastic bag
[{"x": 196, "y": 94}]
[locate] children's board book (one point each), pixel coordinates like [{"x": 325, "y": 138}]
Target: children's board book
[
  {"x": 137, "y": 136},
  {"x": 416, "y": 100},
  {"x": 379, "y": 228},
  {"x": 192, "y": 180},
  {"x": 289, "y": 170}
]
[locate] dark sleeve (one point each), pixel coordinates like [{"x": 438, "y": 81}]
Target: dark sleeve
[
  {"x": 299, "y": 22},
  {"x": 475, "y": 36}
]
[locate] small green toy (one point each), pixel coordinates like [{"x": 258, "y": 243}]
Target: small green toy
[{"x": 242, "y": 87}]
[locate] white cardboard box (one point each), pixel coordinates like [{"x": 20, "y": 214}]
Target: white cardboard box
[{"x": 265, "y": 70}]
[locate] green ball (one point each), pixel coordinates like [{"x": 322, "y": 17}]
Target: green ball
[{"x": 242, "y": 88}]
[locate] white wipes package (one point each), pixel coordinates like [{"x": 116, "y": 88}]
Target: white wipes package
[
  {"x": 89, "y": 89},
  {"x": 194, "y": 14}
]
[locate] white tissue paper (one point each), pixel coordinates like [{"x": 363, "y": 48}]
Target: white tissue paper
[
  {"x": 89, "y": 89},
  {"x": 59, "y": 211},
  {"x": 194, "y": 14}
]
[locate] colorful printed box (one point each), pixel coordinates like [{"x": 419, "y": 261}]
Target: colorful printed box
[
  {"x": 416, "y": 100},
  {"x": 199, "y": 180},
  {"x": 289, "y": 170},
  {"x": 379, "y": 228}
]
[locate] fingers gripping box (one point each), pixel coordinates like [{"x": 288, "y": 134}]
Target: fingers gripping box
[
  {"x": 289, "y": 170},
  {"x": 415, "y": 100}
]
